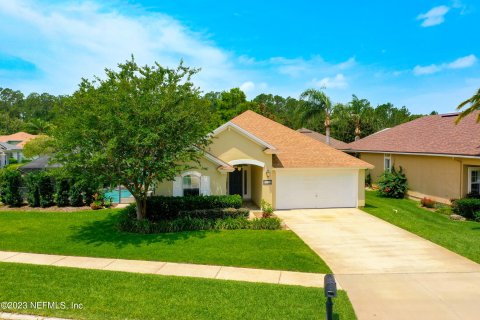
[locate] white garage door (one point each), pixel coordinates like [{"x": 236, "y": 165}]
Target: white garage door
[{"x": 316, "y": 188}]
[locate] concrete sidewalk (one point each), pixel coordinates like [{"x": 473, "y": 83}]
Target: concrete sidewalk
[{"x": 168, "y": 268}]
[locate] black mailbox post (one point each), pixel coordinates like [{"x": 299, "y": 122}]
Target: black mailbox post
[{"x": 330, "y": 290}]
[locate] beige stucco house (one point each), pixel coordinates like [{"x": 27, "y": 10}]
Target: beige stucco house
[
  {"x": 11, "y": 147},
  {"x": 440, "y": 159},
  {"x": 258, "y": 158}
]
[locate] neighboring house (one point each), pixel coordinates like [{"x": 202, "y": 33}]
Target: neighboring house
[
  {"x": 8, "y": 151},
  {"x": 337, "y": 144},
  {"x": 258, "y": 158},
  {"x": 41, "y": 163},
  {"x": 19, "y": 140},
  {"x": 440, "y": 159}
]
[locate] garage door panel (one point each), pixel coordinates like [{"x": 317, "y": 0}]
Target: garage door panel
[{"x": 316, "y": 189}]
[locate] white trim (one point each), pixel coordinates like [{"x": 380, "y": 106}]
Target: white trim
[
  {"x": 321, "y": 168},
  {"x": 414, "y": 154},
  {"x": 470, "y": 169},
  {"x": 214, "y": 160},
  {"x": 247, "y": 161},
  {"x": 191, "y": 173},
  {"x": 256, "y": 139}
]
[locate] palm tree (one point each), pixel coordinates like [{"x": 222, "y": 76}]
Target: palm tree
[
  {"x": 356, "y": 118},
  {"x": 317, "y": 105},
  {"x": 38, "y": 126},
  {"x": 474, "y": 104}
]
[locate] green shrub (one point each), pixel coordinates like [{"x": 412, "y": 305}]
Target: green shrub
[
  {"x": 46, "y": 187},
  {"x": 62, "y": 192},
  {"x": 232, "y": 223},
  {"x": 476, "y": 216},
  {"x": 466, "y": 207},
  {"x": 159, "y": 208},
  {"x": 219, "y": 213},
  {"x": 10, "y": 184},
  {"x": 33, "y": 191},
  {"x": 393, "y": 184},
  {"x": 76, "y": 196},
  {"x": 266, "y": 224},
  {"x": 267, "y": 209},
  {"x": 473, "y": 195},
  {"x": 128, "y": 223},
  {"x": 12, "y": 161}
]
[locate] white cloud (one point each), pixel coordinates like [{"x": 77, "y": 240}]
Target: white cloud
[
  {"x": 421, "y": 70},
  {"x": 298, "y": 67},
  {"x": 68, "y": 41},
  {"x": 247, "y": 86},
  {"x": 434, "y": 16},
  {"x": 463, "y": 62},
  {"x": 460, "y": 63},
  {"x": 337, "y": 82}
]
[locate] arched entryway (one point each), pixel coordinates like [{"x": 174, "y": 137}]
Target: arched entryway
[{"x": 246, "y": 179}]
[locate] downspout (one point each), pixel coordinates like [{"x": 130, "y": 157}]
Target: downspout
[{"x": 460, "y": 161}]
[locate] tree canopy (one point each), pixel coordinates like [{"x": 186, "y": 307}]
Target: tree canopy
[{"x": 136, "y": 127}]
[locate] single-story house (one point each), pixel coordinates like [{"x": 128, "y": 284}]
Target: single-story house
[
  {"x": 18, "y": 140},
  {"x": 40, "y": 163},
  {"x": 8, "y": 151},
  {"x": 337, "y": 144},
  {"x": 259, "y": 158},
  {"x": 441, "y": 159}
]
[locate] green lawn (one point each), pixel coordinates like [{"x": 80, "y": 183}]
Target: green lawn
[
  {"x": 118, "y": 295},
  {"x": 93, "y": 233},
  {"x": 461, "y": 237}
]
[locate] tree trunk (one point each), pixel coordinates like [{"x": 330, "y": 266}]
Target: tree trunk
[
  {"x": 327, "y": 135},
  {"x": 141, "y": 208}
]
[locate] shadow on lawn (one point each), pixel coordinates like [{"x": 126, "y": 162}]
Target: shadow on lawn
[{"x": 104, "y": 231}]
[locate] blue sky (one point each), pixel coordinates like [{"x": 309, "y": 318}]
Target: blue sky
[{"x": 421, "y": 54}]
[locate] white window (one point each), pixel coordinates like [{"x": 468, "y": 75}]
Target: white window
[
  {"x": 387, "y": 162},
  {"x": 191, "y": 185},
  {"x": 474, "y": 180}
]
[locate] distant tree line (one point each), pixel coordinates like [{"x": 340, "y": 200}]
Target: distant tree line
[{"x": 35, "y": 113}]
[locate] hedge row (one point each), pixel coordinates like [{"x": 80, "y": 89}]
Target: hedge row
[
  {"x": 44, "y": 189},
  {"x": 10, "y": 184},
  {"x": 199, "y": 220},
  {"x": 168, "y": 208}
]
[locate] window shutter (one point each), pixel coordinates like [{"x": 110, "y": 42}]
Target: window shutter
[
  {"x": 177, "y": 187},
  {"x": 205, "y": 185}
]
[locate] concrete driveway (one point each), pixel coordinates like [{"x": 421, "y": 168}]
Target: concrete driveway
[{"x": 389, "y": 273}]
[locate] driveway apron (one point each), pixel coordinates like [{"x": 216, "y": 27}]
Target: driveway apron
[{"x": 389, "y": 273}]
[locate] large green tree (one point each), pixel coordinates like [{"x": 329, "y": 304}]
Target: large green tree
[
  {"x": 136, "y": 126},
  {"x": 472, "y": 105}
]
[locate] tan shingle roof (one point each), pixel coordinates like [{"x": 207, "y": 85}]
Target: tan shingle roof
[
  {"x": 19, "y": 136},
  {"x": 435, "y": 134},
  {"x": 295, "y": 149},
  {"x": 337, "y": 144}
]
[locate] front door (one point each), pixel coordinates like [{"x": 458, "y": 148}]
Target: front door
[{"x": 235, "y": 180}]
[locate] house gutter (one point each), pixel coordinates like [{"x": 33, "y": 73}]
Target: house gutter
[{"x": 415, "y": 154}]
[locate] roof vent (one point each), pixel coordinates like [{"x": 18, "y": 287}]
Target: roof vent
[{"x": 453, "y": 114}]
